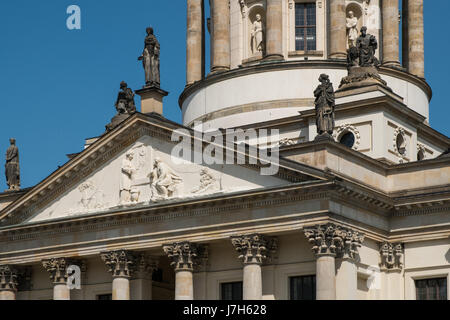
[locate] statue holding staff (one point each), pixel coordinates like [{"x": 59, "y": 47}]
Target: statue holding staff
[{"x": 150, "y": 59}]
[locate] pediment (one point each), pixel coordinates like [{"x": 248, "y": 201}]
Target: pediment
[{"x": 133, "y": 166}]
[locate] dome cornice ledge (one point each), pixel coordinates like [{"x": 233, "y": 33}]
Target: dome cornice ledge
[{"x": 289, "y": 65}]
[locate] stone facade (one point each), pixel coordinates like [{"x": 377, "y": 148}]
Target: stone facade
[{"x": 359, "y": 215}]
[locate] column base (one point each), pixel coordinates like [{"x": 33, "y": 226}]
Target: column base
[
  {"x": 338, "y": 56},
  {"x": 393, "y": 64}
]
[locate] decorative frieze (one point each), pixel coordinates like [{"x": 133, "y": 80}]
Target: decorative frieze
[
  {"x": 391, "y": 255},
  {"x": 255, "y": 248},
  {"x": 334, "y": 240},
  {"x": 8, "y": 278},
  {"x": 184, "y": 256},
  {"x": 57, "y": 267},
  {"x": 120, "y": 263}
]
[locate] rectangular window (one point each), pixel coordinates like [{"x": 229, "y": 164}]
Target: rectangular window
[
  {"x": 232, "y": 291},
  {"x": 431, "y": 289},
  {"x": 104, "y": 297},
  {"x": 305, "y": 26},
  {"x": 303, "y": 288}
]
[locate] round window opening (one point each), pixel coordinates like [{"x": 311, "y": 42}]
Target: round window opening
[
  {"x": 401, "y": 144},
  {"x": 420, "y": 155},
  {"x": 348, "y": 139}
]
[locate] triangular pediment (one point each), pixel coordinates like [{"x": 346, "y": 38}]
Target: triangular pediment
[{"x": 134, "y": 166}]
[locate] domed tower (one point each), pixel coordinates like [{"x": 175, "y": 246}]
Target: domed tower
[{"x": 267, "y": 56}]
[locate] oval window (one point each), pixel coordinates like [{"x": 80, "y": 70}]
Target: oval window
[{"x": 348, "y": 139}]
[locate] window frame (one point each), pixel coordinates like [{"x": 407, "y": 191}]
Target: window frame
[
  {"x": 437, "y": 288},
  {"x": 305, "y": 26},
  {"x": 221, "y": 284},
  {"x": 302, "y": 276}
]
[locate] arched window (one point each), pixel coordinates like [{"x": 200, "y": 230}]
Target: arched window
[{"x": 401, "y": 144}]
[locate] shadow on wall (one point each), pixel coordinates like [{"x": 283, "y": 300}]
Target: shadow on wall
[{"x": 447, "y": 256}]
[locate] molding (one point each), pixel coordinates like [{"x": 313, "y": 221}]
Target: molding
[{"x": 289, "y": 65}]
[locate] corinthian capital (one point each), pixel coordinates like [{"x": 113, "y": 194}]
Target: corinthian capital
[
  {"x": 334, "y": 240},
  {"x": 8, "y": 278},
  {"x": 57, "y": 267},
  {"x": 120, "y": 263},
  {"x": 183, "y": 255},
  {"x": 255, "y": 248},
  {"x": 391, "y": 255}
]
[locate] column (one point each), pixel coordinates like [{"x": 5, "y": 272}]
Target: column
[
  {"x": 142, "y": 279},
  {"x": 391, "y": 266},
  {"x": 184, "y": 257},
  {"x": 220, "y": 36},
  {"x": 347, "y": 273},
  {"x": 338, "y": 30},
  {"x": 390, "y": 33},
  {"x": 253, "y": 250},
  {"x": 8, "y": 282},
  {"x": 194, "y": 42},
  {"x": 57, "y": 267},
  {"x": 274, "y": 30},
  {"x": 405, "y": 42},
  {"x": 416, "y": 57},
  {"x": 121, "y": 264}
]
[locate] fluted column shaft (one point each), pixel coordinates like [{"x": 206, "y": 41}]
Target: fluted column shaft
[
  {"x": 338, "y": 30},
  {"x": 274, "y": 30},
  {"x": 416, "y": 56},
  {"x": 220, "y": 55},
  {"x": 253, "y": 250},
  {"x": 194, "y": 41},
  {"x": 391, "y": 40}
]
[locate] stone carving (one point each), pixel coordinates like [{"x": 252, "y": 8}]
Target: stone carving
[
  {"x": 150, "y": 59},
  {"x": 421, "y": 152},
  {"x": 120, "y": 263},
  {"x": 325, "y": 103},
  {"x": 164, "y": 182},
  {"x": 334, "y": 240},
  {"x": 343, "y": 129},
  {"x": 8, "y": 278},
  {"x": 126, "y": 178},
  {"x": 257, "y": 35},
  {"x": 367, "y": 45},
  {"x": 184, "y": 256},
  {"x": 91, "y": 197},
  {"x": 352, "y": 30},
  {"x": 286, "y": 142},
  {"x": 391, "y": 255},
  {"x": 362, "y": 64},
  {"x": 125, "y": 106},
  {"x": 255, "y": 248},
  {"x": 399, "y": 142},
  {"x": 57, "y": 267},
  {"x": 207, "y": 182},
  {"x": 12, "y": 168}
]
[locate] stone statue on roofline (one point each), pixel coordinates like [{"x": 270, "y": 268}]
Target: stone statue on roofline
[
  {"x": 12, "y": 168},
  {"x": 125, "y": 106},
  {"x": 151, "y": 60},
  {"x": 362, "y": 64},
  {"x": 325, "y": 104}
]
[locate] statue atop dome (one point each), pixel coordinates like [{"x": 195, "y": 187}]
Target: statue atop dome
[{"x": 362, "y": 64}]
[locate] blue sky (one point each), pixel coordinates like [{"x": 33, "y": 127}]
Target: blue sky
[{"x": 59, "y": 86}]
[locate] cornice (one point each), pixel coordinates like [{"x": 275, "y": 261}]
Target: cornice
[
  {"x": 111, "y": 144},
  {"x": 289, "y": 65}
]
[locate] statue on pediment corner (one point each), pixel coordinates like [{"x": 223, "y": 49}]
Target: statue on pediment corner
[{"x": 12, "y": 168}]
